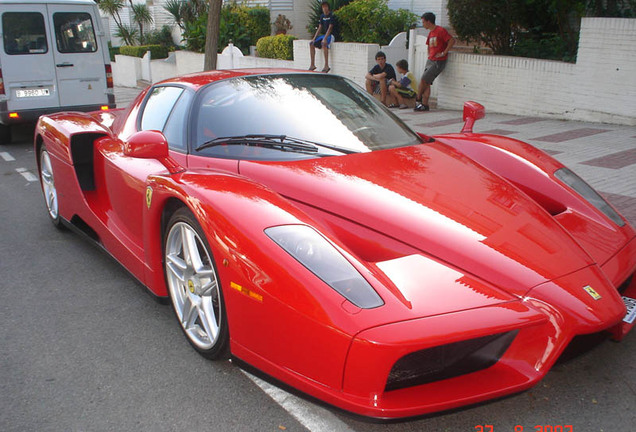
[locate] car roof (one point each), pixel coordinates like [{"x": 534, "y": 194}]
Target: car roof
[{"x": 200, "y": 79}]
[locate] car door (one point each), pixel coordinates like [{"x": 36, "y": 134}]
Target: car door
[
  {"x": 79, "y": 61},
  {"x": 123, "y": 178},
  {"x": 26, "y": 57}
]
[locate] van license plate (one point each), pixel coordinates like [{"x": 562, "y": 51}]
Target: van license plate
[
  {"x": 25, "y": 93},
  {"x": 630, "y": 303}
]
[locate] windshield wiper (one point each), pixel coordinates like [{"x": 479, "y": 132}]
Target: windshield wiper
[{"x": 281, "y": 142}]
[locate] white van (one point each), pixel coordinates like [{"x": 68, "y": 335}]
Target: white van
[{"x": 54, "y": 57}]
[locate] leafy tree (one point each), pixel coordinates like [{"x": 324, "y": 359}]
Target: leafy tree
[
  {"x": 316, "y": 11},
  {"x": 532, "y": 28}
]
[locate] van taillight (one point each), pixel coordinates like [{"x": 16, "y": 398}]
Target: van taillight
[
  {"x": 109, "y": 76},
  {"x": 1, "y": 83}
]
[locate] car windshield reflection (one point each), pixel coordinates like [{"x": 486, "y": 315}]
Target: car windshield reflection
[{"x": 319, "y": 108}]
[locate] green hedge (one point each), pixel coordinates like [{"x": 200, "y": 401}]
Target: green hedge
[
  {"x": 240, "y": 24},
  {"x": 278, "y": 47},
  {"x": 371, "y": 21},
  {"x": 156, "y": 51}
]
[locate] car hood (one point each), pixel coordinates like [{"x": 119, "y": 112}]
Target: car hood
[{"x": 439, "y": 202}]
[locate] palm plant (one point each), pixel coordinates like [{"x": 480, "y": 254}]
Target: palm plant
[
  {"x": 127, "y": 33},
  {"x": 184, "y": 12},
  {"x": 112, "y": 8},
  {"x": 141, "y": 15}
]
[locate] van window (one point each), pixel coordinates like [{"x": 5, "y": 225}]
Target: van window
[
  {"x": 74, "y": 32},
  {"x": 24, "y": 33}
]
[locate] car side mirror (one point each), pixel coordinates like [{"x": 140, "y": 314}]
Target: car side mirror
[
  {"x": 151, "y": 144},
  {"x": 473, "y": 111},
  {"x": 147, "y": 145}
]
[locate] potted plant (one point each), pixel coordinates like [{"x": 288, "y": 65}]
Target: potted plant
[{"x": 282, "y": 24}]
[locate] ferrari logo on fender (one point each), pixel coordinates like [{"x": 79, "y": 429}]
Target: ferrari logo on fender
[
  {"x": 592, "y": 292},
  {"x": 148, "y": 196}
]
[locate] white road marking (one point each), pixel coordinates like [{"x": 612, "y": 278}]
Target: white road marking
[
  {"x": 313, "y": 417},
  {"x": 28, "y": 175},
  {"x": 6, "y": 156}
]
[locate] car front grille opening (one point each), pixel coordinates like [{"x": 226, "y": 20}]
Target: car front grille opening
[
  {"x": 622, "y": 287},
  {"x": 582, "y": 344},
  {"x": 448, "y": 361}
]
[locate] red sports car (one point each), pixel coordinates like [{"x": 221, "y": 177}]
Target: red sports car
[{"x": 297, "y": 224}]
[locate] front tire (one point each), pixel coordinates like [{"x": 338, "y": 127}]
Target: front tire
[
  {"x": 194, "y": 286},
  {"x": 47, "y": 179}
]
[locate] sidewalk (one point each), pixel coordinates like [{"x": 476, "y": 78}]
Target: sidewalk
[{"x": 602, "y": 154}]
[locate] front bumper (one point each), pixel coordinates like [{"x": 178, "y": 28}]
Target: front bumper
[{"x": 545, "y": 322}]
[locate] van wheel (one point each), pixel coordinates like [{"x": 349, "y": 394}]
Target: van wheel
[{"x": 5, "y": 134}]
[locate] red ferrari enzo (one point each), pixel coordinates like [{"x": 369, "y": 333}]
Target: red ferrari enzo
[{"x": 297, "y": 224}]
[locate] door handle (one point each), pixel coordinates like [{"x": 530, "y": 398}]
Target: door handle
[{"x": 64, "y": 65}]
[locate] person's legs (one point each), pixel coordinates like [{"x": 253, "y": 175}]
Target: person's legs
[
  {"x": 426, "y": 93},
  {"x": 370, "y": 85},
  {"x": 383, "y": 90},
  {"x": 312, "y": 56},
  {"x": 325, "y": 48},
  {"x": 432, "y": 71}
]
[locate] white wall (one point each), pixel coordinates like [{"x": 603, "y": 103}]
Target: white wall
[{"x": 600, "y": 86}]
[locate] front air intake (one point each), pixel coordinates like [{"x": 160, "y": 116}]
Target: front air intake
[{"x": 448, "y": 361}]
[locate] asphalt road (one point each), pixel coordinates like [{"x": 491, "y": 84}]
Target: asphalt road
[{"x": 84, "y": 348}]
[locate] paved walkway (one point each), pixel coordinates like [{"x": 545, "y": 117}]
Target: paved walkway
[{"x": 603, "y": 154}]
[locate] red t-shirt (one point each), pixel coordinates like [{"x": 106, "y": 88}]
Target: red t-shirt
[{"x": 437, "y": 42}]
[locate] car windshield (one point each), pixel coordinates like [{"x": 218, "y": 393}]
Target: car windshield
[{"x": 322, "y": 109}]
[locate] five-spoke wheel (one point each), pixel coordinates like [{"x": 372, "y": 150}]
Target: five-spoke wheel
[
  {"x": 48, "y": 186},
  {"x": 194, "y": 285}
]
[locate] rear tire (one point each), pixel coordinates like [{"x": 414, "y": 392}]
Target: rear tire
[
  {"x": 5, "y": 134},
  {"x": 194, "y": 286}
]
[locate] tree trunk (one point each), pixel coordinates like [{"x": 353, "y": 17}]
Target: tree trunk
[{"x": 212, "y": 36}]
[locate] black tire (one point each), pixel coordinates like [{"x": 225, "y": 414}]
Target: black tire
[
  {"x": 47, "y": 181},
  {"x": 195, "y": 293},
  {"x": 5, "y": 134}
]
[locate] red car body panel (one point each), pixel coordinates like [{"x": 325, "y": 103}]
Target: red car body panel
[{"x": 470, "y": 236}]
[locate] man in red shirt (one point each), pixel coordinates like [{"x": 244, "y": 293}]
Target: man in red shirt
[{"x": 439, "y": 42}]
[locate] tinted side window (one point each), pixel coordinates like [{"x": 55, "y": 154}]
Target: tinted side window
[
  {"x": 24, "y": 33},
  {"x": 74, "y": 32},
  {"x": 175, "y": 130},
  {"x": 158, "y": 107}
]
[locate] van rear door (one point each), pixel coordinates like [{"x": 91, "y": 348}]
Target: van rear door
[
  {"x": 26, "y": 57},
  {"x": 79, "y": 55}
]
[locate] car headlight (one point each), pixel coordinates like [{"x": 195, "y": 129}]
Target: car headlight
[
  {"x": 586, "y": 191},
  {"x": 321, "y": 258}
]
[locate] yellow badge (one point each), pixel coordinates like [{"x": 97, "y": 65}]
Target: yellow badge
[
  {"x": 592, "y": 292},
  {"x": 148, "y": 196}
]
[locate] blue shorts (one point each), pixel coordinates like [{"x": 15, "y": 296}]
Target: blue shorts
[{"x": 318, "y": 44}]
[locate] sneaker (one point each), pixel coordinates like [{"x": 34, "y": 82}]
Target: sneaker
[
  {"x": 421, "y": 107},
  {"x": 392, "y": 106}
]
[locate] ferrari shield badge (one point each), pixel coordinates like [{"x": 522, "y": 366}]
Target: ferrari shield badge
[
  {"x": 148, "y": 196},
  {"x": 592, "y": 292}
]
